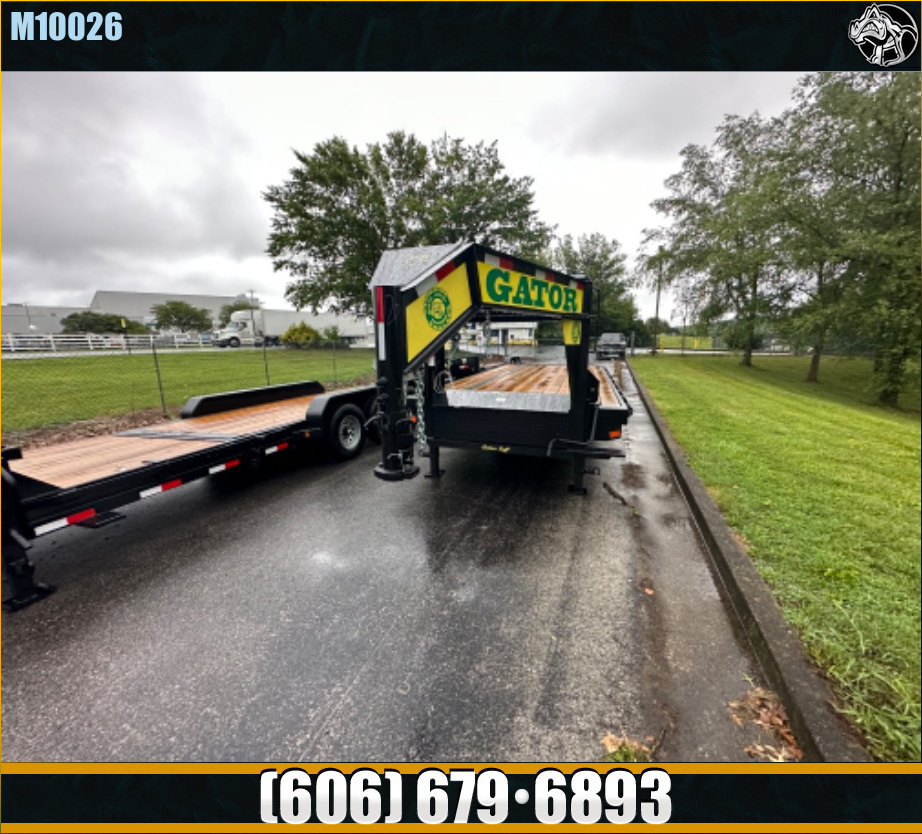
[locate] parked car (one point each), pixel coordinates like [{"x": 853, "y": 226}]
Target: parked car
[{"x": 611, "y": 345}]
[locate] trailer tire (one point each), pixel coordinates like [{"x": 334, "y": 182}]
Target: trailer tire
[{"x": 347, "y": 432}]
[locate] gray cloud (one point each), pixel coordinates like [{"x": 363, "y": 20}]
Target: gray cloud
[
  {"x": 654, "y": 115},
  {"x": 103, "y": 168}
]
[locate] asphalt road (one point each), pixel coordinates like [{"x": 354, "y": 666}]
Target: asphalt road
[{"x": 319, "y": 614}]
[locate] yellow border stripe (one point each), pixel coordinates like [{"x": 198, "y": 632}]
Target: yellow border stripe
[
  {"x": 217, "y": 768},
  {"x": 418, "y": 828}
]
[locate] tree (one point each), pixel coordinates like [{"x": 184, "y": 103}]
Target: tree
[
  {"x": 90, "y": 322},
  {"x": 660, "y": 327},
  {"x": 872, "y": 173},
  {"x": 224, "y": 314},
  {"x": 723, "y": 240},
  {"x": 182, "y": 316},
  {"x": 341, "y": 208},
  {"x": 602, "y": 261}
]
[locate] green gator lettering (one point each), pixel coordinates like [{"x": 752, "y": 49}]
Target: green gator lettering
[
  {"x": 499, "y": 294},
  {"x": 522, "y": 295},
  {"x": 569, "y": 300},
  {"x": 501, "y": 286}
]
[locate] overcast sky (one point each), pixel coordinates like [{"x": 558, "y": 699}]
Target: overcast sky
[{"x": 152, "y": 182}]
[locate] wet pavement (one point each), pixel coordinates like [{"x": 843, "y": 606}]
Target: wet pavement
[{"x": 319, "y": 614}]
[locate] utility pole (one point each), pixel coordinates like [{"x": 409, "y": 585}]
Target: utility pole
[{"x": 659, "y": 282}]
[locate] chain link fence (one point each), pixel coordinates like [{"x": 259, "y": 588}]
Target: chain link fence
[{"x": 118, "y": 381}]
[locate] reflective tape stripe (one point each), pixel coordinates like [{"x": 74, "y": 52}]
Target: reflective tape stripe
[
  {"x": 50, "y": 526},
  {"x": 273, "y": 449},
  {"x": 147, "y": 493},
  {"x": 76, "y": 518},
  {"x": 222, "y": 466}
]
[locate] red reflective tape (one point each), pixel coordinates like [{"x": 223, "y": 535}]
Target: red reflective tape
[
  {"x": 443, "y": 271},
  {"x": 379, "y": 305},
  {"x": 231, "y": 463},
  {"x": 506, "y": 263},
  {"x": 579, "y": 286},
  {"x": 282, "y": 446},
  {"x": 171, "y": 485},
  {"x": 81, "y": 516}
]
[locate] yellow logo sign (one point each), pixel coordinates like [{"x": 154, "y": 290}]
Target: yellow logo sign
[
  {"x": 432, "y": 312},
  {"x": 515, "y": 289}
]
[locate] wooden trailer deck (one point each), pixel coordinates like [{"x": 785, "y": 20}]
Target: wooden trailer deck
[
  {"x": 534, "y": 379},
  {"x": 79, "y": 462}
]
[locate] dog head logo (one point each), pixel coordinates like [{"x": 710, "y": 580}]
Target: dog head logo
[{"x": 885, "y": 34}]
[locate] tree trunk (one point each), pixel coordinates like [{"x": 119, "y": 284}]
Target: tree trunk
[
  {"x": 813, "y": 375},
  {"x": 891, "y": 369}
]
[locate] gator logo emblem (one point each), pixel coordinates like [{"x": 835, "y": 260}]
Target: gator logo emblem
[
  {"x": 885, "y": 34},
  {"x": 437, "y": 309}
]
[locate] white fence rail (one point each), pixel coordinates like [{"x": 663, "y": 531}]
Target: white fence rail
[{"x": 77, "y": 342}]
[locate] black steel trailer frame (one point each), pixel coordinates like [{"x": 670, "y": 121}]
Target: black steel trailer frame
[
  {"x": 32, "y": 508},
  {"x": 443, "y": 288}
]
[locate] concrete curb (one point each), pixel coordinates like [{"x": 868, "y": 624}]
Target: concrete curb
[{"x": 822, "y": 733}]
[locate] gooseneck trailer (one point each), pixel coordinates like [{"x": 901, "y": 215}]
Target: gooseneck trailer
[
  {"x": 83, "y": 482},
  {"x": 423, "y": 298}
]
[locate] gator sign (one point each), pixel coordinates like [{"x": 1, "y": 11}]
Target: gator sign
[
  {"x": 508, "y": 288},
  {"x": 441, "y": 300}
]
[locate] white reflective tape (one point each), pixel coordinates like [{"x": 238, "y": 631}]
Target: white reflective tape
[
  {"x": 147, "y": 493},
  {"x": 424, "y": 286},
  {"x": 492, "y": 260},
  {"x": 382, "y": 352},
  {"x": 51, "y": 526}
]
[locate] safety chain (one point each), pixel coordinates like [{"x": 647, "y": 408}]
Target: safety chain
[
  {"x": 413, "y": 397},
  {"x": 421, "y": 410}
]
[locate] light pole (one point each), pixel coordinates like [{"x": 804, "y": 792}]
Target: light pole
[{"x": 659, "y": 282}]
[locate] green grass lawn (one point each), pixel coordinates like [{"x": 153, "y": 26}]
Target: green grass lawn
[
  {"x": 52, "y": 391},
  {"x": 823, "y": 488}
]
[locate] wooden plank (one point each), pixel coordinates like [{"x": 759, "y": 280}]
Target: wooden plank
[
  {"x": 82, "y": 461},
  {"x": 607, "y": 396},
  {"x": 535, "y": 379}
]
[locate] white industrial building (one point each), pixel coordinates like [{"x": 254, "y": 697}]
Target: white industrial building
[{"x": 136, "y": 306}]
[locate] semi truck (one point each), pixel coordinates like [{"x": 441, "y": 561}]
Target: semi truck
[
  {"x": 423, "y": 297},
  {"x": 255, "y": 327},
  {"x": 84, "y": 482}
]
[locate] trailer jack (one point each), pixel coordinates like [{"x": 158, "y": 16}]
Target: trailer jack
[{"x": 19, "y": 572}]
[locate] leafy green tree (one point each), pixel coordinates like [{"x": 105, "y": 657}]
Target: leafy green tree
[
  {"x": 227, "y": 310},
  {"x": 90, "y": 322},
  {"x": 659, "y": 326},
  {"x": 870, "y": 177},
  {"x": 602, "y": 261},
  {"x": 342, "y": 207},
  {"x": 723, "y": 237},
  {"x": 182, "y": 316}
]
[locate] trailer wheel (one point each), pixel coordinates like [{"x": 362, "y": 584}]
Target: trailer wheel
[{"x": 347, "y": 432}]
